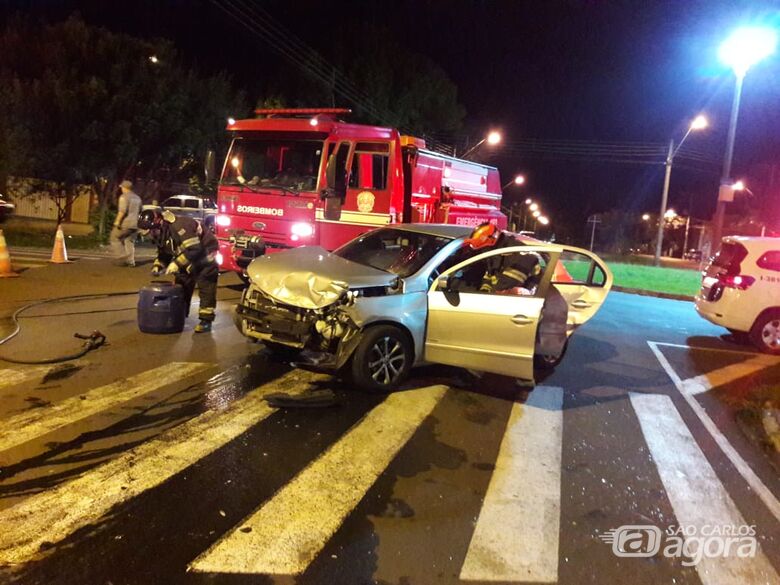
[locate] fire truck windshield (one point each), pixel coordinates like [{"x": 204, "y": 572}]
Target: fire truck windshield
[{"x": 280, "y": 163}]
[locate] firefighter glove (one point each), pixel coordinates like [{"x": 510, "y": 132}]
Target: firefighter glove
[{"x": 173, "y": 268}]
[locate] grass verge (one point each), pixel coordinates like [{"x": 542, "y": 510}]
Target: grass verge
[{"x": 676, "y": 281}]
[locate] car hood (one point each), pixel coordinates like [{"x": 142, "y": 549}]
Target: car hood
[{"x": 311, "y": 277}]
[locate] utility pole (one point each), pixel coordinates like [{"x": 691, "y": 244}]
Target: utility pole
[
  {"x": 659, "y": 241},
  {"x": 593, "y": 219}
]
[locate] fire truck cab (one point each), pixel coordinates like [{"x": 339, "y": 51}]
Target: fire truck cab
[{"x": 297, "y": 177}]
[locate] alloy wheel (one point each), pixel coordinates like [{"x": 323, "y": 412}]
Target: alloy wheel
[
  {"x": 770, "y": 334},
  {"x": 387, "y": 360}
]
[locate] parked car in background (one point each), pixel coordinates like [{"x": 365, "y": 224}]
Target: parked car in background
[
  {"x": 6, "y": 209},
  {"x": 406, "y": 294},
  {"x": 741, "y": 290},
  {"x": 693, "y": 255},
  {"x": 201, "y": 208}
]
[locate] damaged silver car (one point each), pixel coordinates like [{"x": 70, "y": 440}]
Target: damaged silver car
[{"x": 401, "y": 296}]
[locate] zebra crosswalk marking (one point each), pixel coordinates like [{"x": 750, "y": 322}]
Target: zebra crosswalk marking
[
  {"x": 14, "y": 377},
  {"x": 697, "y": 496},
  {"x": 291, "y": 529},
  {"x": 34, "y": 423},
  {"x": 516, "y": 536},
  {"x": 52, "y": 515}
]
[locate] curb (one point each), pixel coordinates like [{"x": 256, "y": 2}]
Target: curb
[{"x": 652, "y": 293}]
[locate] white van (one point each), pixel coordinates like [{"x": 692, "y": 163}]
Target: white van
[{"x": 741, "y": 290}]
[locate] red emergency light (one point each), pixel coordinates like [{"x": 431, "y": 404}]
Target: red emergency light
[{"x": 271, "y": 112}]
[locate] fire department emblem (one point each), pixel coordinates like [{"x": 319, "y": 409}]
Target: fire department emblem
[{"x": 365, "y": 201}]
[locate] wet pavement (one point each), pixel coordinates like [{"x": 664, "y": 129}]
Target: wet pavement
[{"x": 127, "y": 472}]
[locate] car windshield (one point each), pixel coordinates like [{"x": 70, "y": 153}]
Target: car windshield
[
  {"x": 393, "y": 250},
  {"x": 282, "y": 163}
]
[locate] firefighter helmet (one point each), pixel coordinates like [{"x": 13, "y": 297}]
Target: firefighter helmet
[
  {"x": 483, "y": 236},
  {"x": 150, "y": 219}
]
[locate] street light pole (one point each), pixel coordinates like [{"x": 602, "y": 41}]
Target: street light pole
[
  {"x": 659, "y": 241},
  {"x": 725, "y": 179}
]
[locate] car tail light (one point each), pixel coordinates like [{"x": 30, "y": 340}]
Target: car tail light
[
  {"x": 740, "y": 281},
  {"x": 223, "y": 220},
  {"x": 301, "y": 230}
]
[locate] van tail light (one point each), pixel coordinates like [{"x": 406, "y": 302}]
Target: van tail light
[{"x": 740, "y": 281}]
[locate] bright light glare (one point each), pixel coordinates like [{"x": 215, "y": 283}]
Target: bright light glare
[
  {"x": 528, "y": 201},
  {"x": 235, "y": 162},
  {"x": 231, "y": 121},
  {"x": 646, "y": 216},
  {"x": 313, "y": 122},
  {"x": 543, "y": 220},
  {"x": 223, "y": 220},
  {"x": 670, "y": 214},
  {"x": 302, "y": 229},
  {"x": 738, "y": 186},
  {"x": 746, "y": 47},
  {"x": 154, "y": 59},
  {"x": 220, "y": 258},
  {"x": 537, "y": 213},
  {"x": 533, "y": 206},
  {"x": 519, "y": 180},
  {"x": 699, "y": 123},
  {"x": 493, "y": 138}
]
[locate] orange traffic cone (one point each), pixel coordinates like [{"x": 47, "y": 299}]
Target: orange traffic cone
[
  {"x": 59, "y": 255},
  {"x": 5, "y": 259}
]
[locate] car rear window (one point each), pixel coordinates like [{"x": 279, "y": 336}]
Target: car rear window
[
  {"x": 770, "y": 261},
  {"x": 730, "y": 257}
]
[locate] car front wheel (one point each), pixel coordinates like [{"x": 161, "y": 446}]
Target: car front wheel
[
  {"x": 383, "y": 359},
  {"x": 765, "y": 333}
]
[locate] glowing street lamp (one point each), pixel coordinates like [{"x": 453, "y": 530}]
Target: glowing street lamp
[
  {"x": 743, "y": 49},
  {"x": 536, "y": 214},
  {"x": 698, "y": 123},
  {"x": 492, "y": 139},
  {"x": 154, "y": 60},
  {"x": 670, "y": 214},
  {"x": 646, "y": 217},
  {"x": 528, "y": 201},
  {"x": 533, "y": 207},
  {"x": 543, "y": 220},
  {"x": 518, "y": 180}
]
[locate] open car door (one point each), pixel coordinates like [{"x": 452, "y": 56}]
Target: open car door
[
  {"x": 477, "y": 323},
  {"x": 584, "y": 280}
]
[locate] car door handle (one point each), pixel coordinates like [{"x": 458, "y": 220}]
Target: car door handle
[
  {"x": 580, "y": 304},
  {"x": 521, "y": 320}
]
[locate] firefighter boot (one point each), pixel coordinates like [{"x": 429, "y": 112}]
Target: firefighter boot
[{"x": 203, "y": 327}]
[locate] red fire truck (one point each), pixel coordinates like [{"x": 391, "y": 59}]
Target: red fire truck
[{"x": 296, "y": 177}]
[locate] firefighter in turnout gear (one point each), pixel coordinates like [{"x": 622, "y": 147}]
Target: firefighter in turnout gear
[
  {"x": 504, "y": 273},
  {"x": 189, "y": 252}
]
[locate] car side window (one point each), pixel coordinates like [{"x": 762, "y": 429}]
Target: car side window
[
  {"x": 172, "y": 202},
  {"x": 513, "y": 273},
  {"x": 770, "y": 261},
  {"x": 576, "y": 268},
  {"x": 191, "y": 204}
]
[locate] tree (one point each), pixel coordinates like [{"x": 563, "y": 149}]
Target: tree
[{"x": 89, "y": 106}]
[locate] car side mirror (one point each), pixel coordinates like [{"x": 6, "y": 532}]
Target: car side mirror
[{"x": 443, "y": 283}]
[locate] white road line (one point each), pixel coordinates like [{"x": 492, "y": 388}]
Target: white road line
[
  {"x": 33, "y": 423},
  {"x": 736, "y": 459},
  {"x": 52, "y": 515},
  {"x": 695, "y": 492},
  {"x": 14, "y": 377},
  {"x": 289, "y": 530},
  {"x": 769, "y": 359},
  {"x": 725, "y": 375},
  {"x": 516, "y": 537}
]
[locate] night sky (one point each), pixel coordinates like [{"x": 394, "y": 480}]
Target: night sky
[{"x": 594, "y": 71}]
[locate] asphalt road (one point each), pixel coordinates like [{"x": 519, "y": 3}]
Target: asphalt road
[{"x": 156, "y": 460}]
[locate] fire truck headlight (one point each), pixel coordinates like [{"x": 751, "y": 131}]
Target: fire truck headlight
[
  {"x": 223, "y": 220},
  {"x": 302, "y": 230},
  {"x": 220, "y": 258}
]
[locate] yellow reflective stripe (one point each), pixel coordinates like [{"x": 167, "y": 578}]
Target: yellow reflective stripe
[
  {"x": 181, "y": 260},
  {"x": 190, "y": 242},
  {"x": 514, "y": 273}
]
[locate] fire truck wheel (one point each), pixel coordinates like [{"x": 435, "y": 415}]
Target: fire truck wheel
[{"x": 382, "y": 360}]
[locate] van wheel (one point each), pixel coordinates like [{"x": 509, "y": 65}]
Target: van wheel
[
  {"x": 382, "y": 359},
  {"x": 765, "y": 333}
]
